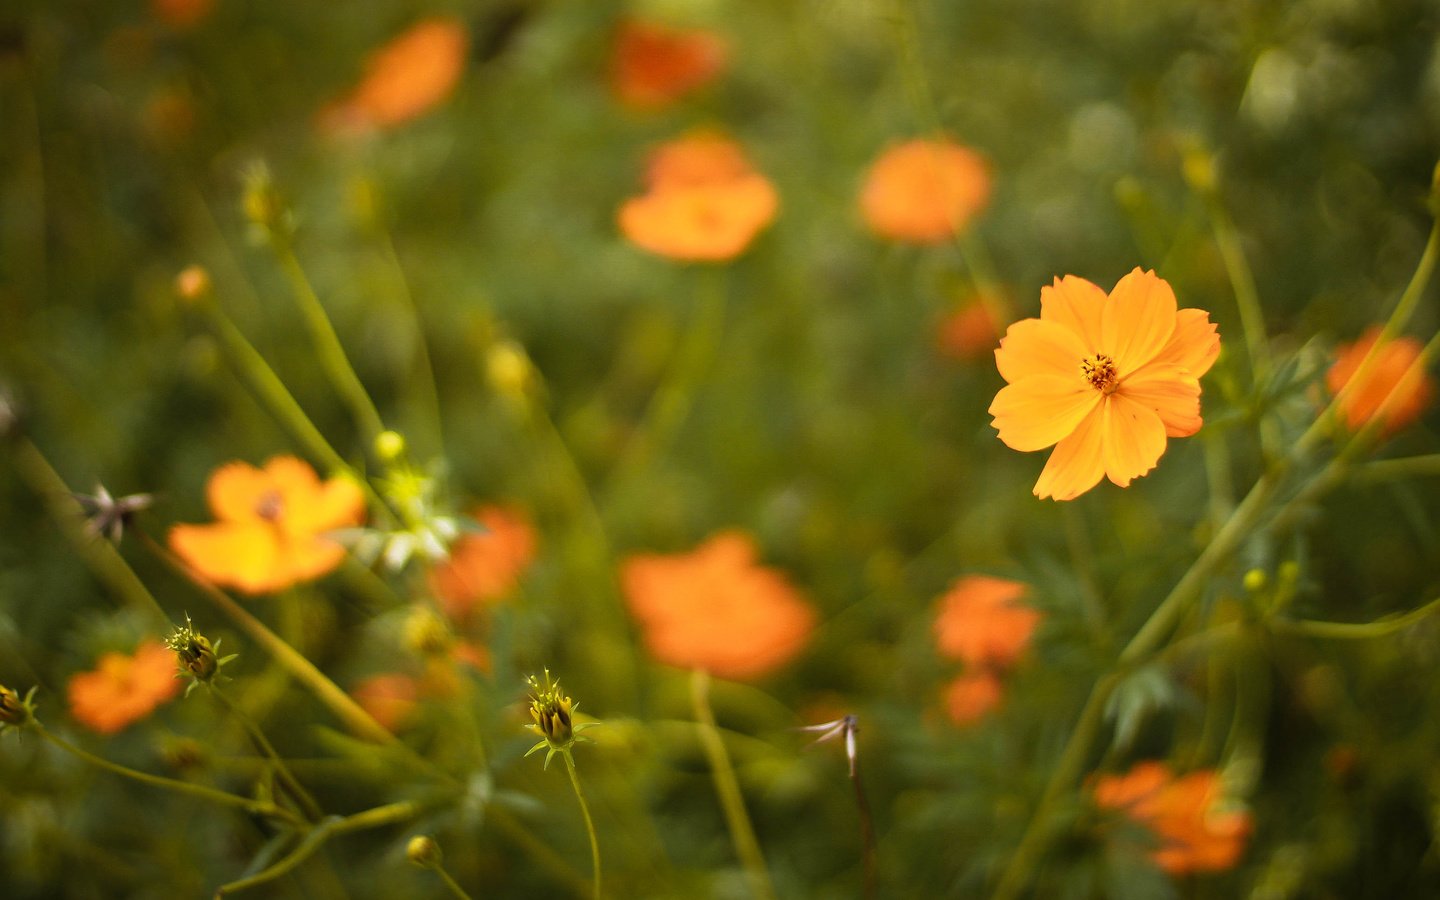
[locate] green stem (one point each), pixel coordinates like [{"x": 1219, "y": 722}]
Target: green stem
[
  {"x": 326, "y": 691},
  {"x": 333, "y": 360},
  {"x": 316, "y": 837},
  {"x": 258, "y": 807},
  {"x": 1354, "y": 631},
  {"x": 589, "y": 823},
  {"x": 282, "y": 771},
  {"x": 727, "y": 788},
  {"x": 1394, "y": 469},
  {"x": 424, "y": 369},
  {"x": 451, "y": 883}
]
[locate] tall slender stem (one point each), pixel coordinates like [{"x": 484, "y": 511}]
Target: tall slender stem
[
  {"x": 282, "y": 771},
  {"x": 742, "y": 833},
  {"x": 589, "y": 823}
]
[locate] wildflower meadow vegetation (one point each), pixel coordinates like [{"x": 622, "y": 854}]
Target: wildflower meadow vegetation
[{"x": 716, "y": 448}]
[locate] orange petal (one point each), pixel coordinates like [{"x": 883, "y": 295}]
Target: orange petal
[
  {"x": 239, "y": 555},
  {"x": 1076, "y": 304},
  {"x": 1078, "y": 462},
  {"x": 1037, "y": 347},
  {"x": 1138, "y": 320},
  {"x": 1171, "y": 393},
  {"x": 235, "y": 490},
  {"x": 1193, "y": 346},
  {"x": 336, "y": 503},
  {"x": 1041, "y": 410},
  {"x": 1134, "y": 439}
]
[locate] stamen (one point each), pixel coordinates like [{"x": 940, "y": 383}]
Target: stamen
[{"x": 1099, "y": 370}]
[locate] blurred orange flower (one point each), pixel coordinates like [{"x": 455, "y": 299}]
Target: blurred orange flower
[
  {"x": 982, "y": 622},
  {"x": 484, "y": 566},
  {"x": 924, "y": 191},
  {"x": 704, "y": 203},
  {"x": 390, "y": 698},
  {"x": 404, "y": 79},
  {"x": 970, "y": 696},
  {"x": 1105, "y": 379},
  {"x": 124, "y": 689},
  {"x": 1392, "y": 370},
  {"x": 1193, "y": 835},
  {"x": 969, "y": 332},
  {"x": 654, "y": 65},
  {"x": 715, "y": 609},
  {"x": 181, "y": 13},
  {"x": 272, "y": 524}
]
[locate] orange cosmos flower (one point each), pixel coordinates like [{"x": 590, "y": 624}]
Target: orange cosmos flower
[
  {"x": 1106, "y": 379},
  {"x": 654, "y": 65},
  {"x": 272, "y": 524},
  {"x": 970, "y": 696},
  {"x": 924, "y": 192},
  {"x": 969, "y": 332},
  {"x": 389, "y": 698},
  {"x": 715, "y": 609},
  {"x": 1193, "y": 835},
  {"x": 404, "y": 79},
  {"x": 982, "y": 622},
  {"x": 124, "y": 689},
  {"x": 181, "y": 13},
  {"x": 1392, "y": 370},
  {"x": 705, "y": 202},
  {"x": 484, "y": 566}
]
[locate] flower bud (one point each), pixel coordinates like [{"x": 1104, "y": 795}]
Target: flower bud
[
  {"x": 13, "y": 710},
  {"x": 389, "y": 446},
  {"x": 426, "y": 633},
  {"x": 508, "y": 369},
  {"x": 192, "y": 283},
  {"x": 193, "y": 652},
  {"x": 424, "y": 852}
]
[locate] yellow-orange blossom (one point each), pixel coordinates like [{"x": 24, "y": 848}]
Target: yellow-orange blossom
[{"x": 1106, "y": 379}]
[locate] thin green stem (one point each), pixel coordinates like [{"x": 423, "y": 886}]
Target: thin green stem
[
  {"x": 589, "y": 823},
  {"x": 451, "y": 883},
  {"x": 424, "y": 369},
  {"x": 727, "y": 788},
  {"x": 1396, "y": 469},
  {"x": 258, "y": 807},
  {"x": 1242, "y": 282},
  {"x": 282, "y": 771},
  {"x": 1354, "y": 631},
  {"x": 333, "y": 360},
  {"x": 326, "y": 691},
  {"x": 316, "y": 837},
  {"x": 100, "y": 555}
]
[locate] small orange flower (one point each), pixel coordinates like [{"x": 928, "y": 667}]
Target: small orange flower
[
  {"x": 124, "y": 689},
  {"x": 715, "y": 609},
  {"x": 181, "y": 13},
  {"x": 705, "y": 202},
  {"x": 1193, "y": 835},
  {"x": 970, "y": 696},
  {"x": 924, "y": 192},
  {"x": 654, "y": 65},
  {"x": 969, "y": 332},
  {"x": 484, "y": 566},
  {"x": 390, "y": 698},
  {"x": 405, "y": 78},
  {"x": 1106, "y": 379},
  {"x": 272, "y": 524},
  {"x": 982, "y": 622},
  {"x": 1393, "y": 370}
]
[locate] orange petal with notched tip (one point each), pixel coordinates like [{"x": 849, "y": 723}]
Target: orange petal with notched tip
[{"x": 1138, "y": 320}]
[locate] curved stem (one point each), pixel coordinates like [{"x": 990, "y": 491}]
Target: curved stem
[
  {"x": 1354, "y": 631},
  {"x": 589, "y": 823},
  {"x": 742, "y": 833},
  {"x": 260, "y": 807},
  {"x": 282, "y": 771}
]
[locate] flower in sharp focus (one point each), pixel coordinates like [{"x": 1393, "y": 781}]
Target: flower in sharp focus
[
  {"x": 484, "y": 566},
  {"x": 705, "y": 203},
  {"x": 554, "y": 717},
  {"x": 1106, "y": 379},
  {"x": 195, "y": 654},
  {"x": 982, "y": 622},
  {"x": 123, "y": 689},
  {"x": 715, "y": 608},
  {"x": 404, "y": 79},
  {"x": 1193, "y": 830},
  {"x": 654, "y": 65},
  {"x": 1392, "y": 370},
  {"x": 272, "y": 527},
  {"x": 924, "y": 191}
]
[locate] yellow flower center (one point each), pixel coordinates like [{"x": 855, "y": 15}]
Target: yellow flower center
[{"x": 1099, "y": 370}]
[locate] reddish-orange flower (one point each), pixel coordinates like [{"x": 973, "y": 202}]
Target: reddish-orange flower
[
  {"x": 484, "y": 566},
  {"x": 1193, "y": 831},
  {"x": 272, "y": 525},
  {"x": 1392, "y": 370},
  {"x": 969, "y": 332},
  {"x": 654, "y": 65},
  {"x": 389, "y": 698},
  {"x": 404, "y": 79},
  {"x": 924, "y": 192},
  {"x": 124, "y": 689},
  {"x": 704, "y": 203},
  {"x": 1105, "y": 379},
  {"x": 982, "y": 622},
  {"x": 716, "y": 609},
  {"x": 970, "y": 696}
]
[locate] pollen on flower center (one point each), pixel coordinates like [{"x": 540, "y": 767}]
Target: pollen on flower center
[
  {"x": 1099, "y": 370},
  {"x": 270, "y": 506}
]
